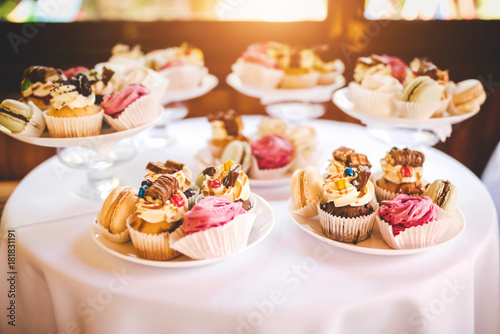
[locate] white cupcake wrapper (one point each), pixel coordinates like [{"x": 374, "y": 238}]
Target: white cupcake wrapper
[
  {"x": 346, "y": 229},
  {"x": 309, "y": 211},
  {"x": 70, "y": 127},
  {"x": 372, "y": 102},
  {"x": 36, "y": 125},
  {"x": 122, "y": 237},
  {"x": 258, "y": 75},
  {"x": 416, "y": 110},
  {"x": 143, "y": 110},
  {"x": 418, "y": 236},
  {"x": 220, "y": 241},
  {"x": 153, "y": 246},
  {"x": 298, "y": 81},
  {"x": 267, "y": 174},
  {"x": 183, "y": 77}
]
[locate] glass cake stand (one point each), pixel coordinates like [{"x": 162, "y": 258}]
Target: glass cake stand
[
  {"x": 174, "y": 110},
  {"x": 400, "y": 131},
  {"x": 97, "y": 155},
  {"x": 293, "y": 105}
]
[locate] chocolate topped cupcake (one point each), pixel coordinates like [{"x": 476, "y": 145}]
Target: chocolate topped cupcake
[
  {"x": 345, "y": 157},
  {"x": 226, "y": 126}
]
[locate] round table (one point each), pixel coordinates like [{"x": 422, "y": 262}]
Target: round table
[{"x": 289, "y": 283}]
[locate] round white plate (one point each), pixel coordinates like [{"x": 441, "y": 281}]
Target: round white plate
[
  {"x": 204, "y": 159},
  {"x": 374, "y": 244},
  {"x": 343, "y": 99},
  {"x": 208, "y": 83},
  {"x": 315, "y": 94},
  {"x": 261, "y": 228}
]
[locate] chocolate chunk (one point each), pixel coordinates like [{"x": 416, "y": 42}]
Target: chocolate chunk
[
  {"x": 210, "y": 171},
  {"x": 174, "y": 165},
  {"x": 341, "y": 153},
  {"x": 230, "y": 179},
  {"x": 235, "y": 168},
  {"x": 190, "y": 193},
  {"x": 107, "y": 74},
  {"x": 39, "y": 73},
  {"x": 161, "y": 190},
  {"x": 80, "y": 82},
  {"x": 230, "y": 120},
  {"x": 356, "y": 160},
  {"x": 157, "y": 167},
  {"x": 407, "y": 157},
  {"x": 98, "y": 99},
  {"x": 245, "y": 204},
  {"x": 364, "y": 174}
]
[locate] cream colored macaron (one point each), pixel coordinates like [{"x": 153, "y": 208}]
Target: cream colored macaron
[
  {"x": 117, "y": 207},
  {"x": 468, "y": 96},
  {"x": 305, "y": 186}
]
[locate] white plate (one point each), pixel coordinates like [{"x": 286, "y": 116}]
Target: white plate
[
  {"x": 343, "y": 99},
  {"x": 203, "y": 159},
  {"x": 103, "y": 142},
  {"x": 208, "y": 83},
  {"x": 260, "y": 229},
  {"x": 315, "y": 94},
  {"x": 374, "y": 244}
]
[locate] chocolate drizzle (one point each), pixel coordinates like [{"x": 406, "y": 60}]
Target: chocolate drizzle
[
  {"x": 230, "y": 120},
  {"x": 161, "y": 190},
  {"x": 407, "y": 157}
]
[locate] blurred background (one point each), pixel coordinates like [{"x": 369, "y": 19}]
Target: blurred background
[{"x": 458, "y": 35}]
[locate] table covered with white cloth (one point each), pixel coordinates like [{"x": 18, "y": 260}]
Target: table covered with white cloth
[{"x": 288, "y": 283}]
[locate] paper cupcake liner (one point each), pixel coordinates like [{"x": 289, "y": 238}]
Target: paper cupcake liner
[
  {"x": 346, "y": 229},
  {"x": 297, "y": 81},
  {"x": 309, "y": 211},
  {"x": 122, "y": 237},
  {"x": 70, "y": 127},
  {"x": 153, "y": 246},
  {"x": 215, "y": 242},
  {"x": 372, "y": 102},
  {"x": 416, "y": 110},
  {"x": 183, "y": 77},
  {"x": 419, "y": 236},
  {"x": 267, "y": 174},
  {"x": 258, "y": 75},
  {"x": 143, "y": 110},
  {"x": 36, "y": 125}
]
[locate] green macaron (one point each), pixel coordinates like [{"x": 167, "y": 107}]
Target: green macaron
[
  {"x": 422, "y": 89},
  {"x": 444, "y": 194},
  {"x": 15, "y": 115},
  {"x": 240, "y": 152}
]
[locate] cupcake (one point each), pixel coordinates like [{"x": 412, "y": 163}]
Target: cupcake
[
  {"x": 183, "y": 66},
  {"x": 24, "y": 119},
  {"x": 261, "y": 64},
  {"x": 215, "y": 227},
  {"x": 160, "y": 211},
  {"x": 412, "y": 222},
  {"x": 375, "y": 94},
  {"x": 299, "y": 72},
  {"x": 345, "y": 157},
  {"x": 345, "y": 210},
  {"x": 73, "y": 112},
  {"x": 228, "y": 181},
  {"x": 226, "y": 127},
  {"x": 126, "y": 55},
  {"x": 402, "y": 173},
  {"x": 102, "y": 83},
  {"x": 118, "y": 206},
  {"x": 328, "y": 71},
  {"x": 371, "y": 65},
  {"x": 272, "y": 157},
  {"x": 37, "y": 83},
  {"x": 131, "y": 107}
]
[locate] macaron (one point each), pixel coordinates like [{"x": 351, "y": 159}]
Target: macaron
[
  {"x": 240, "y": 152},
  {"x": 468, "y": 96},
  {"x": 422, "y": 89},
  {"x": 444, "y": 194},
  {"x": 15, "y": 115},
  {"x": 117, "y": 207},
  {"x": 306, "y": 186}
]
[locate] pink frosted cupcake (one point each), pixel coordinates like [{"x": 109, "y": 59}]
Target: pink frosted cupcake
[
  {"x": 131, "y": 107},
  {"x": 408, "y": 222},
  {"x": 215, "y": 227},
  {"x": 272, "y": 157}
]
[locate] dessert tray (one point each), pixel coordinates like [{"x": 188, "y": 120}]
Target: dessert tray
[
  {"x": 268, "y": 96},
  {"x": 262, "y": 227},
  {"x": 374, "y": 244},
  {"x": 441, "y": 126},
  {"x": 208, "y": 83}
]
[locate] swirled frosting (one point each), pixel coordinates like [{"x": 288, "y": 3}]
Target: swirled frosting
[
  {"x": 211, "y": 212},
  {"x": 341, "y": 192},
  {"x": 114, "y": 104},
  {"x": 73, "y": 93},
  {"x": 169, "y": 212},
  {"x": 238, "y": 190},
  {"x": 181, "y": 172},
  {"x": 402, "y": 166},
  {"x": 272, "y": 151},
  {"x": 39, "y": 80}
]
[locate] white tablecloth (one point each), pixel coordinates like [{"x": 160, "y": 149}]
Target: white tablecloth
[{"x": 289, "y": 283}]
